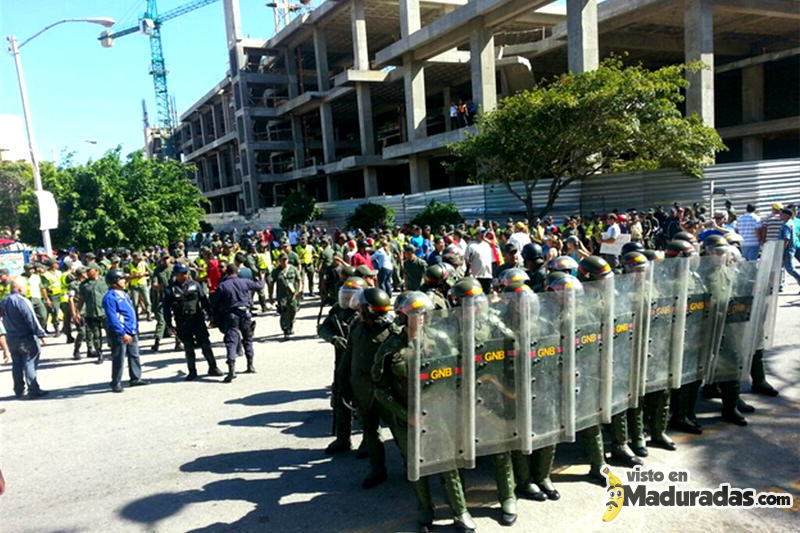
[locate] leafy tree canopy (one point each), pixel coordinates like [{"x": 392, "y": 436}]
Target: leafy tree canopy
[
  {"x": 613, "y": 119},
  {"x": 15, "y": 177},
  {"x": 114, "y": 202},
  {"x": 438, "y": 213},
  {"x": 370, "y": 215},
  {"x": 299, "y": 208}
]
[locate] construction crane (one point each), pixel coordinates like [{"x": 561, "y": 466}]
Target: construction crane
[{"x": 150, "y": 24}]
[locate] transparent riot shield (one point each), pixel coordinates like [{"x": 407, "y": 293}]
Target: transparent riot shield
[
  {"x": 772, "y": 255},
  {"x": 496, "y": 376},
  {"x": 739, "y": 326},
  {"x": 626, "y": 340},
  {"x": 440, "y": 405},
  {"x": 666, "y": 294},
  {"x": 594, "y": 325},
  {"x": 698, "y": 317},
  {"x": 552, "y": 383}
]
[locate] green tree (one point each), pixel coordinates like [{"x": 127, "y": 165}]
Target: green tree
[
  {"x": 438, "y": 213},
  {"x": 111, "y": 202},
  {"x": 299, "y": 208},
  {"x": 613, "y": 119},
  {"x": 15, "y": 177},
  {"x": 371, "y": 215}
]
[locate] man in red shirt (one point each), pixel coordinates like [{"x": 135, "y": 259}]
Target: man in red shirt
[{"x": 362, "y": 256}]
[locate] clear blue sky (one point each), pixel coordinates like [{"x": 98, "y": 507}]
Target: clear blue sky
[{"x": 79, "y": 90}]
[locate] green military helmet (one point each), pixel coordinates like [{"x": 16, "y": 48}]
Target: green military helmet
[
  {"x": 346, "y": 272},
  {"x": 734, "y": 239},
  {"x": 564, "y": 282},
  {"x": 552, "y": 277},
  {"x": 653, "y": 255},
  {"x": 513, "y": 276},
  {"x": 685, "y": 236},
  {"x": 632, "y": 246},
  {"x": 113, "y": 276},
  {"x": 349, "y": 288},
  {"x": 374, "y": 302},
  {"x": 366, "y": 272},
  {"x": 563, "y": 263},
  {"x": 634, "y": 261},
  {"x": 436, "y": 274},
  {"x": 411, "y": 303},
  {"x": 680, "y": 248},
  {"x": 593, "y": 268},
  {"x": 464, "y": 287},
  {"x": 714, "y": 240},
  {"x": 719, "y": 249},
  {"x": 517, "y": 287}
]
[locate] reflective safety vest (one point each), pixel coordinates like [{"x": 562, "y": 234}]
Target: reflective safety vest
[
  {"x": 262, "y": 258},
  {"x": 54, "y": 282},
  {"x": 34, "y": 287},
  {"x": 65, "y": 287},
  {"x": 201, "y": 269},
  {"x": 306, "y": 254},
  {"x": 5, "y": 289}
]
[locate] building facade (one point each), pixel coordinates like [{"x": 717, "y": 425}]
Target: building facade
[{"x": 355, "y": 98}]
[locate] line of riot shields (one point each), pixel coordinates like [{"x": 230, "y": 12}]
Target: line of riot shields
[{"x": 523, "y": 370}]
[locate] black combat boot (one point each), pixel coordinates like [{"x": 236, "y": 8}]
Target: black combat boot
[{"x": 231, "y": 373}]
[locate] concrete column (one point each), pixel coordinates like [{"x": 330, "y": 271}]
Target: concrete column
[
  {"x": 419, "y": 172},
  {"x": 446, "y": 112},
  {"x": 414, "y": 89},
  {"x": 753, "y": 109},
  {"x": 361, "y": 62},
  {"x": 333, "y": 188},
  {"x": 484, "y": 86},
  {"x": 223, "y": 182},
  {"x": 233, "y": 31},
  {"x": 698, "y": 23},
  {"x": 410, "y": 20},
  {"x": 290, "y": 58},
  {"x": 202, "y": 129},
  {"x": 582, "y": 48},
  {"x": 324, "y": 84},
  {"x": 214, "y": 122},
  {"x": 370, "y": 182},
  {"x": 359, "y": 26}
]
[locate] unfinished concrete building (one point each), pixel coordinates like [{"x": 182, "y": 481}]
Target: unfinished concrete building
[{"x": 353, "y": 99}]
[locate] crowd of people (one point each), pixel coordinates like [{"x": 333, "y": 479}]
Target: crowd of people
[{"x": 92, "y": 296}]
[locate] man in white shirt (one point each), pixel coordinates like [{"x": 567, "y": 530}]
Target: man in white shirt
[
  {"x": 748, "y": 226},
  {"x": 610, "y": 236},
  {"x": 479, "y": 260}
]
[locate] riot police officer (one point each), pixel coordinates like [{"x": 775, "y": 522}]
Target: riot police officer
[
  {"x": 434, "y": 285},
  {"x": 502, "y": 464},
  {"x": 593, "y": 268},
  {"x": 533, "y": 262},
  {"x": 374, "y": 326},
  {"x": 185, "y": 300},
  {"x": 390, "y": 375},
  {"x": 335, "y": 330}
]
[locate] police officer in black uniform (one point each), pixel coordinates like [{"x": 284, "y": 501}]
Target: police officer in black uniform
[
  {"x": 231, "y": 307},
  {"x": 185, "y": 300}
]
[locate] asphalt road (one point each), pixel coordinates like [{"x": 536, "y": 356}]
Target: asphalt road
[{"x": 248, "y": 456}]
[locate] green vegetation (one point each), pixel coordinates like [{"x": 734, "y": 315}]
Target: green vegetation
[{"x": 371, "y": 216}]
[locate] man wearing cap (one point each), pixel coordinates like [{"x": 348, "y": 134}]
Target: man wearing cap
[
  {"x": 362, "y": 256},
  {"x": 90, "y": 307},
  {"x": 24, "y": 336},
  {"x": 185, "y": 300},
  {"x": 52, "y": 281},
  {"x": 307, "y": 256},
  {"x": 73, "y": 288},
  {"x": 138, "y": 283},
  {"x": 771, "y": 228},
  {"x": 413, "y": 268},
  {"x": 231, "y": 305},
  {"x": 162, "y": 276},
  {"x": 123, "y": 331},
  {"x": 35, "y": 292},
  {"x": 288, "y": 288}
]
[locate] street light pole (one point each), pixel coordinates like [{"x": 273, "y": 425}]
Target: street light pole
[
  {"x": 14, "y": 49},
  {"x": 37, "y": 177}
]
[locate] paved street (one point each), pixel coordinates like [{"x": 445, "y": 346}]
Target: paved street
[{"x": 248, "y": 456}]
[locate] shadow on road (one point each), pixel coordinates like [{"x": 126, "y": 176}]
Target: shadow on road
[
  {"x": 301, "y": 490},
  {"x": 277, "y": 397},
  {"x": 303, "y": 424}
]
